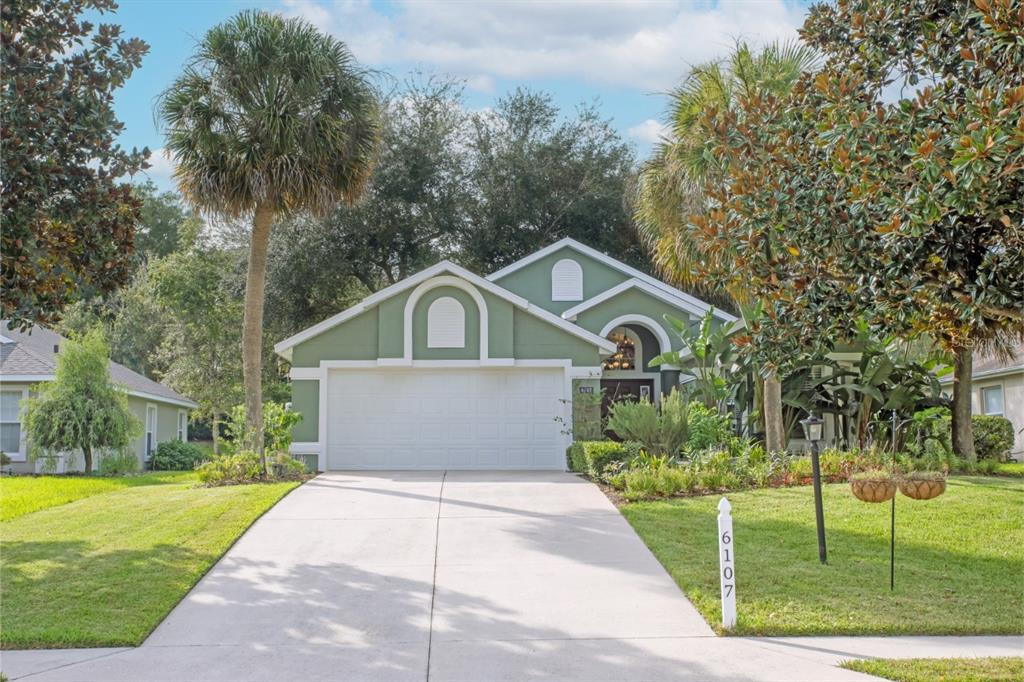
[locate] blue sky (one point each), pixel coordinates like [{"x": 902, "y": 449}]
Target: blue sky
[{"x": 624, "y": 54}]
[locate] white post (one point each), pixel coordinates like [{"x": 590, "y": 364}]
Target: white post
[{"x": 726, "y": 570}]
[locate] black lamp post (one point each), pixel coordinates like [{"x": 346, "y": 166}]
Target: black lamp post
[
  {"x": 730, "y": 406},
  {"x": 812, "y": 433}
]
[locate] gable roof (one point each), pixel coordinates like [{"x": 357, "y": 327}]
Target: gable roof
[
  {"x": 634, "y": 283},
  {"x": 632, "y": 272},
  {"x": 445, "y": 266},
  {"x": 30, "y": 356}
]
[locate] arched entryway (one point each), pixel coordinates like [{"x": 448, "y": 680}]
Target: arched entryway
[{"x": 627, "y": 373}]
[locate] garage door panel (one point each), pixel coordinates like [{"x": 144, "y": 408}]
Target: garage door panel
[{"x": 451, "y": 418}]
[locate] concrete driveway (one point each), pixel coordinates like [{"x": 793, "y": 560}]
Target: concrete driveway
[{"x": 435, "y": 576}]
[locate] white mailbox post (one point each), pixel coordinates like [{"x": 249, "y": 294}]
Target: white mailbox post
[{"x": 726, "y": 558}]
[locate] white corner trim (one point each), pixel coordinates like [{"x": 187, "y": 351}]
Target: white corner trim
[
  {"x": 644, "y": 321},
  {"x": 634, "y": 283},
  {"x": 615, "y": 264},
  {"x": 434, "y": 283}
]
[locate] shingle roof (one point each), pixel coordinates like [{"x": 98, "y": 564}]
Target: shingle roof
[{"x": 34, "y": 353}]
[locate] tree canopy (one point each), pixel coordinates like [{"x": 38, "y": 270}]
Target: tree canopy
[{"x": 69, "y": 223}]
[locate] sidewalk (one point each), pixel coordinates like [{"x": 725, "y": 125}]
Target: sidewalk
[{"x": 720, "y": 658}]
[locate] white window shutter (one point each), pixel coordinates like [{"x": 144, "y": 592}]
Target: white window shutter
[
  {"x": 566, "y": 281},
  {"x": 446, "y": 324}
]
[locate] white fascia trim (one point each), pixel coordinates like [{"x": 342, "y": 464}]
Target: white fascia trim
[
  {"x": 616, "y": 264},
  {"x": 644, "y": 321},
  {"x": 445, "y": 266},
  {"x": 400, "y": 363},
  {"x": 987, "y": 374},
  {"x": 162, "y": 399},
  {"x": 25, "y": 378},
  {"x": 634, "y": 283}
]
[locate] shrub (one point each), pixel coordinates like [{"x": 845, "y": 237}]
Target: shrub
[
  {"x": 707, "y": 428},
  {"x": 278, "y": 423},
  {"x": 592, "y": 457},
  {"x": 661, "y": 431},
  {"x": 118, "y": 463},
  {"x": 993, "y": 436},
  {"x": 176, "y": 455}
]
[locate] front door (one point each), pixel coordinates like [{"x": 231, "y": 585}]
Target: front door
[{"x": 613, "y": 390}]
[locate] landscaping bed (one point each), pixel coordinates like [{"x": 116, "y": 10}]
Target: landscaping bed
[
  {"x": 959, "y": 559},
  {"x": 945, "y": 669},
  {"x": 104, "y": 570}
]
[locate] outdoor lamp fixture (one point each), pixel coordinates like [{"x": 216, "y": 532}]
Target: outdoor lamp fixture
[
  {"x": 730, "y": 405},
  {"x": 812, "y": 433}
]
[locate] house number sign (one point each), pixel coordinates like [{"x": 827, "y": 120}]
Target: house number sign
[{"x": 726, "y": 560}]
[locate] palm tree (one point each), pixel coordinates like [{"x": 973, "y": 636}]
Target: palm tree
[
  {"x": 669, "y": 189},
  {"x": 270, "y": 117}
]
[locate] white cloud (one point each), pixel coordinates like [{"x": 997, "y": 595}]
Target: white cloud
[
  {"x": 161, "y": 168},
  {"x": 642, "y": 44},
  {"x": 649, "y": 131}
]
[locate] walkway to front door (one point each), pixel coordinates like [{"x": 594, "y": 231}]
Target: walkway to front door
[{"x": 439, "y": 576}]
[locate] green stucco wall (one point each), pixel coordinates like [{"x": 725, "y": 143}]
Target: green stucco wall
[
  {"x": 355, "y": 339},
  {"x": 533, "y": 282},
  {"x": 535, "y": 339},
  {"x": 306, "y": 401}
]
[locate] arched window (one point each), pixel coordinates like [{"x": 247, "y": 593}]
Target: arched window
[
  {"x": 566, "y": 281},
  {"x": 446, "y": 324}
]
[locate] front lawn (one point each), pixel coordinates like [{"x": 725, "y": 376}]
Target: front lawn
[
  {"x": 945, "y": 669},
  {"x": 959, "y": 560},
  {"x": 20, "y": 495},
  {"x": 106, "y": 569}
]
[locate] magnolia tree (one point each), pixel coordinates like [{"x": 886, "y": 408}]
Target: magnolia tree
[
  {"x": 81, "y": 409},
  {"x": 840, "y": 204}
]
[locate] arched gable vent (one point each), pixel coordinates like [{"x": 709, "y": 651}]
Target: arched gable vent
[
  {"x": 446, "y": 324},
  {"x": 566, "y": 281}
]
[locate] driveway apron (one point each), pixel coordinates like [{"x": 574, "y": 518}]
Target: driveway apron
[{"x": 437, "y": 576}]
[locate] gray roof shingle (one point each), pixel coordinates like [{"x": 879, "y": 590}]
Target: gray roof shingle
[{"x": 34, "y": 353}]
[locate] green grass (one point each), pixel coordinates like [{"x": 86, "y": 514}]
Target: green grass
[
  {"x": 105, "y": 570},
  {"x": 959, "y": 560},
  {"x": 1010, "y": 469},
  {"x": 944, "y": 669},
  {"x": 20, "y": 495}
]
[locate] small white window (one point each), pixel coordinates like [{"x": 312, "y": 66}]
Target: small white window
[
  {"x": 446, "y": 324},
  {"x": 11, "y": 442},
  {"x": 992, "y": 400},
  {"x": 151, "y": 423},
  {"x": 182, "y": 425},
  {"x": 566, "y": 281}
]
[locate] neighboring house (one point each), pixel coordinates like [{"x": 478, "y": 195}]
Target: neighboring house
[
  {"x": 447, "y": 369},
  {"x": 28, "y": 358},
  {"x": 997, "y": 387}
]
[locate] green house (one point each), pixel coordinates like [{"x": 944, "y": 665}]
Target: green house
[
  {"x": 30, "y": 358},
  {"x": 450, "y": 370}
]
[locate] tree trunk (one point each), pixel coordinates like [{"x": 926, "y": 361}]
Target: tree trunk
[
  {"x": 215, "y": 419},
  {"x": 774, "y": 432},
  {"x": 252, "y": 330},
  {"x": 87, "y": 455},
  {"x": 963, "y": 433}
]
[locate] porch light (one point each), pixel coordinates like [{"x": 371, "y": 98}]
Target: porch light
[{"x": 812, "y": 428}]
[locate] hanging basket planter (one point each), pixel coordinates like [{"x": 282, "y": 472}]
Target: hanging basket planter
[
  {"x": 923, "y": 485},
  {"x": 873, "y": 486}
]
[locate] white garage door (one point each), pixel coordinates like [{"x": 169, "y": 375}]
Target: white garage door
[{"x": 445, "y": 419}]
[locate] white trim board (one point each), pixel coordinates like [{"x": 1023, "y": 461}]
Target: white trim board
[
  {"x": 37, "y": 378},
  {"x": 645, "y": 322},
  {"x": 634, "y": 283},
  {"x": 617, "y": 265},
  {"x": 282, "y": 347}
]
